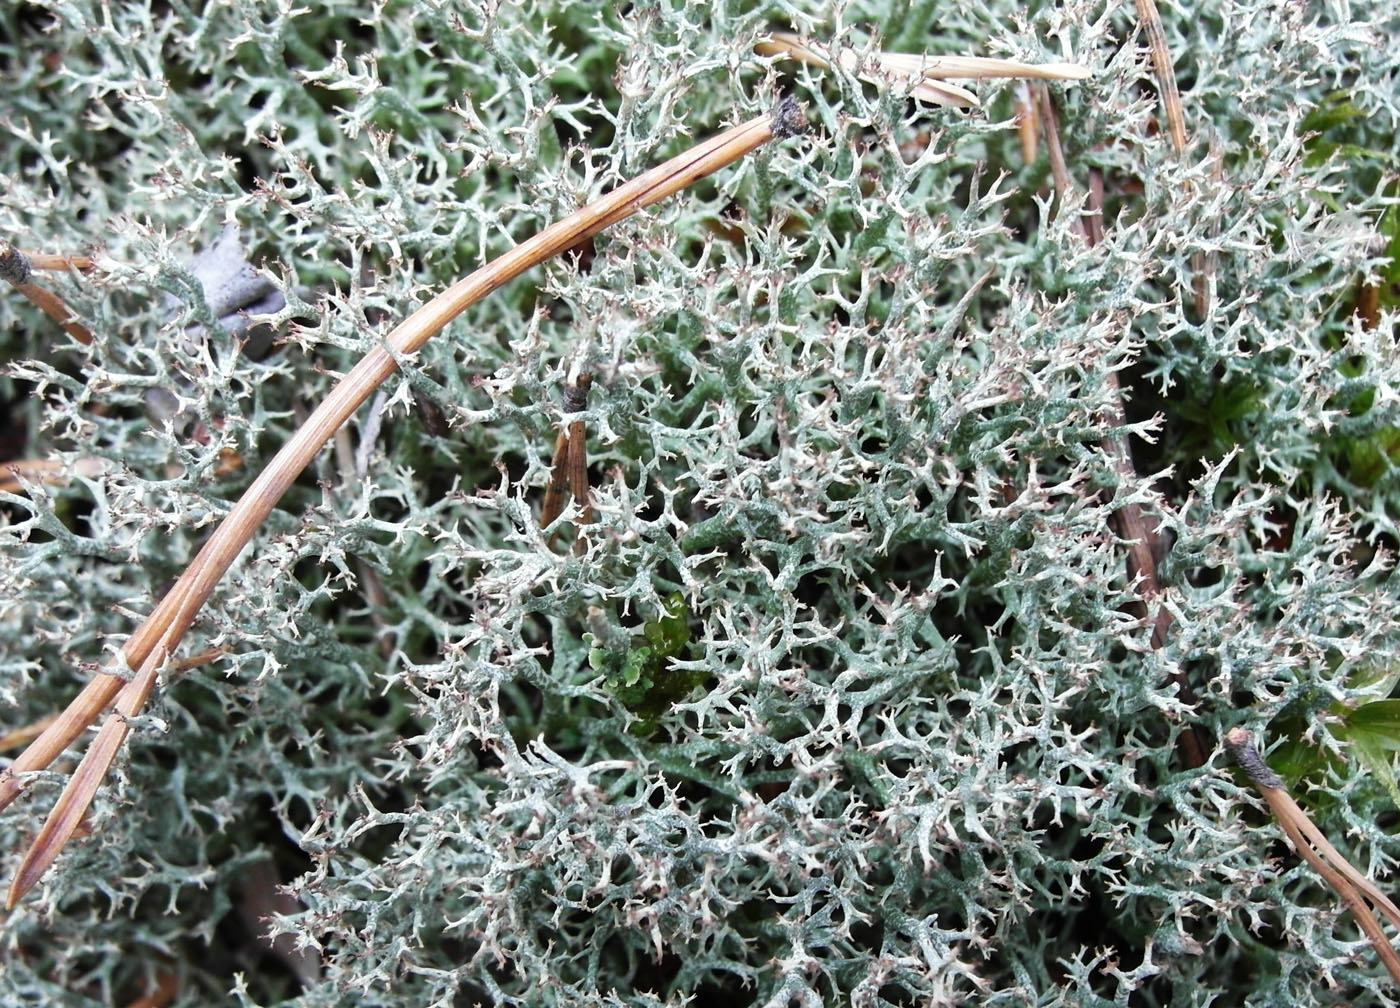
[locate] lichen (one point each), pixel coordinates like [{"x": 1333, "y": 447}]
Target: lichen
[{"x": 850, "y": 405}]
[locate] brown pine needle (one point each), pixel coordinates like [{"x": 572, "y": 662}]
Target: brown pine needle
[
  {"x": 1027, "y": 122},
  {"x": 73, "y": 804},
  {"x": 1166, "y": 76},
  {"x": 23, "y": 736},
  {"x": 13, "y": 475},
  {"x": 28, "y": 733},
  {"x": 162, "y": 631},
  {"x": 1359, "y": 893},
  {"x": 196, "y": 660},
  {"x": 1050, "y": 129},
  {"x": 54, "y": 307},
  {"x": 570, "y": 473},
  {"x": 57, "y": 263},
  {"x": 1176, "y": 123},
  {"x": 167, "y": 986}
]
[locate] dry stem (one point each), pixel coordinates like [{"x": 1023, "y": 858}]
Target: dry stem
[
  {"x": 570, "y": 473},
  {"x": 1129, "y": 519},
  {"x": 1176, "y": 121}
]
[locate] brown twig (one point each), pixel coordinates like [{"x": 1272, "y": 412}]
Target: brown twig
[
  {"x": 1129, "y": 519},
  {"x": 1132, "y": 528},
  {"x": 1151, "y": 22},
  {"x": 150, "y": 645},
  {"x": 13, "y": 475},
  {"x": 1359, "y": 893},
  {"x": 1093, "y": 223},
  {"x": 167, "y": 986},
  {"x": 28, "y": 733},
  {"x": 57, "y": 263},
  {"x": 1050, "y": 128},
  {"x": 1190, "y": 744},
  {"x": 263, "y": 899},
  {"x": 376, "y": 602},
  {"x": 1027, "y": 122},
  {"x": 25, "y": 735}
]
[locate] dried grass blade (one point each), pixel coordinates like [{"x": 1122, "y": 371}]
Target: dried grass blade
[
  {"x": 925, "y": 73},
  {"x": 85, "y": 708},
  {"x": 1166, "y": 76}
]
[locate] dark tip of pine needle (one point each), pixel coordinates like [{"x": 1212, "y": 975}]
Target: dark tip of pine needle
[
  {"x": 1242, "y": 751},
  {"x": 14, "y": 265},
  {"x": 788, "y": 119},
  {"x": 575, "y": 398}
]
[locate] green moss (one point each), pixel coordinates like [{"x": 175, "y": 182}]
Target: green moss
[{"x": 641, "y": 675}]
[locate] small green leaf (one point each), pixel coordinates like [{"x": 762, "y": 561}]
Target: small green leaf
[
  {"x": 1373, "y": 730},
  {"x": 1379, "y": 720}
]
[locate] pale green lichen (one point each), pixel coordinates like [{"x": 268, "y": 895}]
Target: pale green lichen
[{"x": 849, "y": 406}]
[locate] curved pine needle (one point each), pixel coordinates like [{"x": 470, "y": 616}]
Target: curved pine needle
[{"x": 163, "y": 629}]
